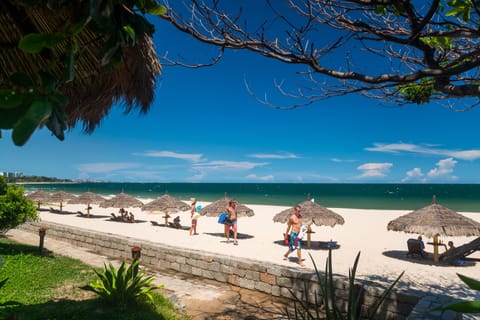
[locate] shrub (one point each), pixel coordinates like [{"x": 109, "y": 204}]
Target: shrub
[
  {"x": 327, "y": 287},
  {"x": 15, "y": 209},
  {"x": 121, "y": 287}
]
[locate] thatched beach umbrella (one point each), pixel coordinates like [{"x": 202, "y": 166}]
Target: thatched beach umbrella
[
  {"x": 39, "y": 196},
  {"x": 166, "y": 203},
  {"x": 311, "y": 213},
  {"x": 95, "y": 88},
  {"x": 88, "y": 198},
  {"x": 435, "y": 220},
  {"x": 61, "y": 197},
  {"x": 216, "y": 208},
  {"x": 122, "y": 200}
]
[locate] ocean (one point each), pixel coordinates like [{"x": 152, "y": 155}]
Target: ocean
[{"x": 458, "y": 197}]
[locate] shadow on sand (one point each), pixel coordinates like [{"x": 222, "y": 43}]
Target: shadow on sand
[
  {"x": 239, "y": 235},
  {"x": 402, "y": 255},
  {"x": 314, "y": 245}
]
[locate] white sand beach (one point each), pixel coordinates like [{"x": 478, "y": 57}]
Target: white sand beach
[{"x": 382, "y": 252}]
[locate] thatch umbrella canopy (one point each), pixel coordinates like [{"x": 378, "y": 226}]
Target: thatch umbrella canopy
[
  {"x": 311, "y": 213},
  {"x": 61, "y": 197},
  {"x": 122, "y": 200},
  {"x": 39, "y": 196},
  {"x": 216, "y": 208},
  {"x": 94, "y": 89},
  {"x": 166, "y": 203},
  {"x": 88, "y": 198},
  {"x": 435, "y": 220}
]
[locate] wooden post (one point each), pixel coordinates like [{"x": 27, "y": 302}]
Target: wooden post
[
  {"x": 435, "y": 248},
  {"x": 309, "y": 238},
  {"x": 136, "y": 254},
  {"x": 41, "y": 232}
]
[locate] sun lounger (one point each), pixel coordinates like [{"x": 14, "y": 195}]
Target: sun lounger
[
  {"x": 415, "y": 248},
  {"x": 461, "y": 252}
]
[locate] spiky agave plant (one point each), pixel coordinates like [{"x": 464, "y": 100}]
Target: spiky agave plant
[
  {"x": 327, "y": 286},
  {"x": 464, "y": 306},
  {"x": 122, "y": 287}
]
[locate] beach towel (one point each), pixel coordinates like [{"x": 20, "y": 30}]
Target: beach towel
[
  {"x": 222, "y": 218},
  {"x": 303, "y": 232}
]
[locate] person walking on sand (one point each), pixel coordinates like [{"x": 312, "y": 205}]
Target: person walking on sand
[
  {"x": 231, "y": 222},
  {"x": 194, "y": 216},
  {"x": 294, "y": 243}
]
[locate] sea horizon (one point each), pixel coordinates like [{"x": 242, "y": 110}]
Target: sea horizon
[{"x": 387, "y": 196}]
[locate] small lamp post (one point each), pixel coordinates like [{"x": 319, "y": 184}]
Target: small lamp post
[
  {"x": 41, "y": 232},
  {"x": 136, "y": 254}
]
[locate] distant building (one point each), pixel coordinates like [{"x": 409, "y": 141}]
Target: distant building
[{"x": 11, "y": 174}]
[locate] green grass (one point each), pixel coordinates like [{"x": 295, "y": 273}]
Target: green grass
[{"x": 48, "y": 286}]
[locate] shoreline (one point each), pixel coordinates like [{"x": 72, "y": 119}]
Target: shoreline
[{"x": 382, "y": 256}]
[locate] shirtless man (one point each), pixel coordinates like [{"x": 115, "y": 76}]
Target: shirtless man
[
  {"x": 232, "y": 216},
  {"x": 294, "y": 243}
]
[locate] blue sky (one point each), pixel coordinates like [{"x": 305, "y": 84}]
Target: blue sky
[{"x": 205, "y": 127}]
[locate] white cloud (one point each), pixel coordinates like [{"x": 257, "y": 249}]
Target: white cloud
[
  {"x": 273, "y": 156},
  {"x": 342, "y": 160},
  {"x": 444, "y": 167},
  {"x": 414, "y": 174},
  {"x": 374, "y": 169},
  {"x": 221, "y": 164},
  {"x": 105, "y": 167},
  {"x": 264, "y": 178},
  {"x": 195, "y": 157},
  {"x": 413, "y": 148}
]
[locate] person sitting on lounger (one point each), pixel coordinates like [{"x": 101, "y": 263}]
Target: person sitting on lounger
[
  {"x": 422, "y": 247},
  {"x": 449, "y": 250},
  {"x": 176, "y": 222}
]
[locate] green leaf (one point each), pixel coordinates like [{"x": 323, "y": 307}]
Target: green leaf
[
  {"x": 48, "y": 81},
  {"x": 35, "y": 42},
  {"x": 463, "y": 307},
  {"x": 10, "y": 99},
  {"x": 130, "y": 31},
  {"x": 470, "y": 282},
  {"x": 21, "y": 79},
  {"x": 37, "y": 113},
  {"x": 157, "y": 10},
  {"x": 78, "y": 27},
  {"x": 59, "y": 98}
]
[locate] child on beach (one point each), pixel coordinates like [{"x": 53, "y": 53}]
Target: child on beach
[{"x": 194, "y": 216}]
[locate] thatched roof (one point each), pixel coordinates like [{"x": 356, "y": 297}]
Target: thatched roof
[
  {"x": 166, "y": 203},
  {"x": 38, "y": 195},
  {"x": 94, "y": 90},
  {"x": 435, "y": 219},
  {"x": 311, "y": 213},
  {"x": 61, "y": 196},
  {"x": 216, "y": 208},
  {"x": 122, "y": 200},
  {"x": 87, "y": 198}
]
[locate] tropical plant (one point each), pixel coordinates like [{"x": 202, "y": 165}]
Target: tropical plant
[
  {"x": 465, "y": 306},
  {"x": 327, "y": 286},
  {"x": 15, "y": 209},
  {"x": 33, "y": 99},
  {"x": 122, "y": 287}
]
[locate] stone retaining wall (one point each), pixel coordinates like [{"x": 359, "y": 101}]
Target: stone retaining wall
[{"x": 270, "y": 278}]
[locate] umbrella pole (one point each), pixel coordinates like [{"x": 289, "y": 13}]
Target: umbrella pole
[
  {"x": 435, "y": 248},
  {"x": 88, "y": 210},
  {"x": 309, "y": 237},
  {"x": 60, "y": 207}
]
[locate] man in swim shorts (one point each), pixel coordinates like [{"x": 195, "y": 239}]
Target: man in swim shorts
[{"x": 294, "y": 243}]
